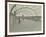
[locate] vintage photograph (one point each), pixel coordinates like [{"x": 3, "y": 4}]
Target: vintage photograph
[
  {"x": 24, "y": 18},
  {"x": 13, "y": 36}
]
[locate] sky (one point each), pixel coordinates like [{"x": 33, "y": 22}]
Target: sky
[{"x": 26, "y": 10}]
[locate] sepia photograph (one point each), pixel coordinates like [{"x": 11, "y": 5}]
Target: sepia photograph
[{"x": 24, "y": 18}]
